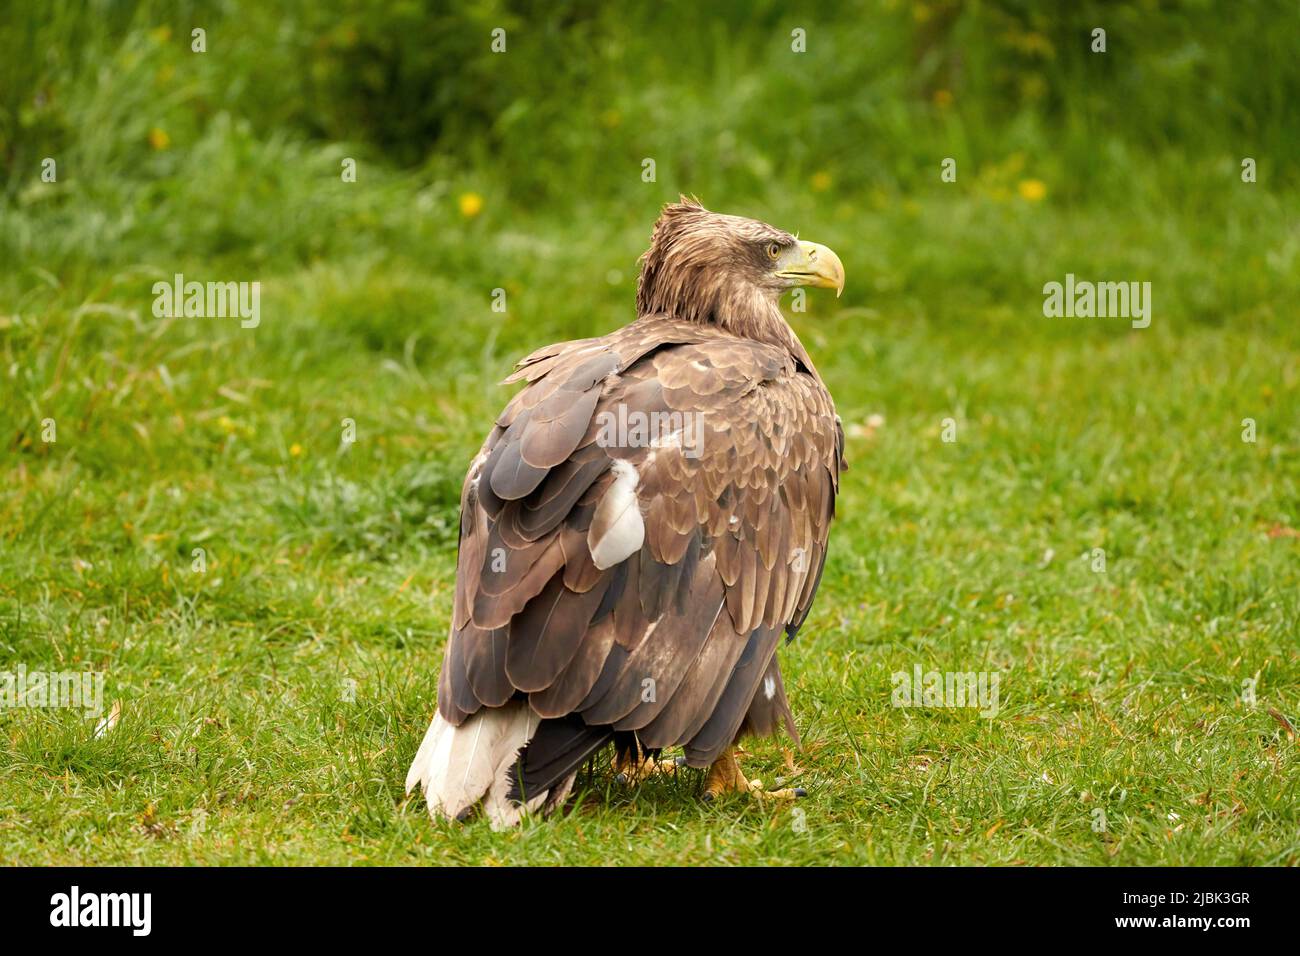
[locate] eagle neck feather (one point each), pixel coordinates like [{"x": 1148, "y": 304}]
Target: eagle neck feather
[{"x": 746, "y": 316}]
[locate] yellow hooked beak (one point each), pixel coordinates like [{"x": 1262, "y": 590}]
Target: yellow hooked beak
[{"x": 812, "y": 264}]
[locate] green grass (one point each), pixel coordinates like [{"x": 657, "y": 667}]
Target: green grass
[{"x": 1120, "y": 691}]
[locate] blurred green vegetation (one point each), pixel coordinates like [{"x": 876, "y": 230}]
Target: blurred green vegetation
[
  {"x": 881, "y": 86},
  {"x": 522, "y": 170}
]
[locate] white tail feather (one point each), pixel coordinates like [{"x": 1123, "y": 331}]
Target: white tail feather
[{"x": 459, "y": 766}]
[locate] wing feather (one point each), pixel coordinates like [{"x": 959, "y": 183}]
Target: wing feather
[{"x": 653, "y": 561}]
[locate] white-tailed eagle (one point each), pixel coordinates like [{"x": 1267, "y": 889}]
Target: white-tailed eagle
[{"x": 645, "y": 521}]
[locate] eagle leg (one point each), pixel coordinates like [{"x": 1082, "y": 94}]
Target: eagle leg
[
  {"x": 725, "y": 777},
  {"x": 634, "y": 769}
]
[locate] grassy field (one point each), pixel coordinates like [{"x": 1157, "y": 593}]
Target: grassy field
[{"x": 268, "y": 603}]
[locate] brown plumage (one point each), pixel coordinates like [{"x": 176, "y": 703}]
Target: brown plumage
[{"x": 648, "y": 517}]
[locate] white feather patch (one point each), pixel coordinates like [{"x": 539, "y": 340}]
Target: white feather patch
[
  {"x": 459, "y": 766},
  {"x": 769, "y": 687},
  {"x": 619, "y": 513},
  {"x": 501, "y": 812}
]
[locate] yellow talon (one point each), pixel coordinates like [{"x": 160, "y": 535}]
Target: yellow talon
[{"x": 725, "y": 777}]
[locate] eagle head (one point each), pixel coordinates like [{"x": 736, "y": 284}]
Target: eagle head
[{"x": 727, "y": 270}]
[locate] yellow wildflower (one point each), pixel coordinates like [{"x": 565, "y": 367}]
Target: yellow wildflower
[
  {"x": 471, "y": 204},
  {"x": 1032, "y": 189}
]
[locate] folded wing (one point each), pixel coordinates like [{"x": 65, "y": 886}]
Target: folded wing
[{"x": 648, "y": 516}]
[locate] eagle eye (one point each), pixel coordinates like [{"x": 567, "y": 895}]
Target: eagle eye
[{"x": 774, "y": 250}]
